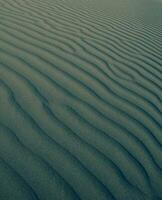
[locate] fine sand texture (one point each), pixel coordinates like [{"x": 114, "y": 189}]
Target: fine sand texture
[{"x": 80, "y": 100}]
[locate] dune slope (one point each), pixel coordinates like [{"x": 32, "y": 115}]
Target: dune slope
[{"x": 80, "y": 100}]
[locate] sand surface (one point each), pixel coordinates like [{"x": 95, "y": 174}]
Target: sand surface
[{"x": 80, "y": 99}]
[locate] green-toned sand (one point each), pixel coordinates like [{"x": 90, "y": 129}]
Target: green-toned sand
[{"x": 80, "y": 99}]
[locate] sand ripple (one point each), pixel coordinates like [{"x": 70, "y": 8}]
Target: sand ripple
[{"x": 80, "y": 100}]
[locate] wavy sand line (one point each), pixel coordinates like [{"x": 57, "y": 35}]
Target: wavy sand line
[{"x": 80, "y": 116}]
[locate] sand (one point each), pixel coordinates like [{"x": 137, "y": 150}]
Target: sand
[{"x": 80, "y": 99}]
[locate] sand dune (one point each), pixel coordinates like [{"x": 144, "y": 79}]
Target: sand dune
[{"x": 80, "y": 100}]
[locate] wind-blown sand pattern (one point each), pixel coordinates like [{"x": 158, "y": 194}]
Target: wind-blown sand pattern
[{"x": 80, "y": 99}]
